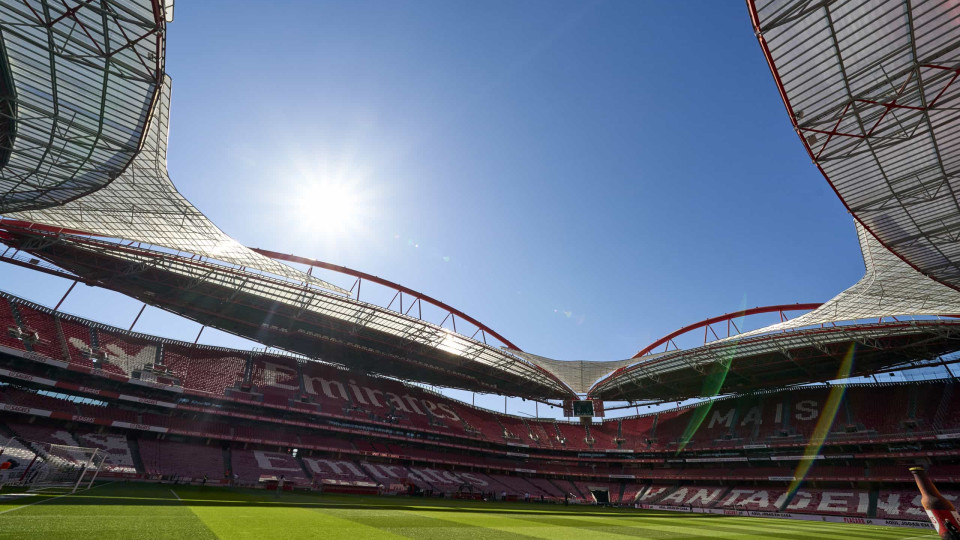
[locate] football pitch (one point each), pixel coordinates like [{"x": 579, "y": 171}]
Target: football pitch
[{"x": 128, "y": 511}]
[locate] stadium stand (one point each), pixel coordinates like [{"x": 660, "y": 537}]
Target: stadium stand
[
  {"x": 516, "y": 486},
  {"x": 903, "y": 504},
  {"x": 44, "y": 325},
  {"x": 442, "y": 481},
  {"x": 9, "y": 327},
  {"x": 753, "y": 499},
  {"x": 384, "y": 473},
  {"x": 630, "y": 493},
  {"x": 841, "y": 502},
  {"x": 204, "y": 369},
  {"x": 237, "y": 416},
  {"x": 23, "y": 398},
  {"x": 546, "y": 488},
  {"x": 77, "y": 338},
  {"x": 654, "y": 493},
  {"x": 573, "y": 436},
  {"x": 47, "y": 434},
  {"x": 250, "y": 465},
  {"x": 117, "y": 450},
  {"x": 698, "y": 496},
  {"x": 337, "y": 470},
  {"x": 277, "y": 376},
  {"x": 185, "y": 460},
  {"x": 126, "y": 353}
]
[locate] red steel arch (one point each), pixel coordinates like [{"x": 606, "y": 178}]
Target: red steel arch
[
  {"x": 727, "y": 317},
  {"x": 395, "y": 286}
]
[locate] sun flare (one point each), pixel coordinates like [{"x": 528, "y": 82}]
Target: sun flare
[{"x": 330, "y": 206}]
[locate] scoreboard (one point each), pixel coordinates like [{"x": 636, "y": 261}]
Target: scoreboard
[{"x": 583, "y": 408}]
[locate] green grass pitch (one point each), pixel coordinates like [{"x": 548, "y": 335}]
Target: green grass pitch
[{"x": 130, "y": 511}]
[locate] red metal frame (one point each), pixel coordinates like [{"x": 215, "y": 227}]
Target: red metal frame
[
  {"x": 755, "y": 20},
  {"x": 728, "y": 317},
  {"x": 452, "y": 312}
]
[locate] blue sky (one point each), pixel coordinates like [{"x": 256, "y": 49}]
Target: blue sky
[{"x": 583, "y": 177}]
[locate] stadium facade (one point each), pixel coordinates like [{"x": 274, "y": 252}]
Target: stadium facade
[{"x": 85, "y": 195}]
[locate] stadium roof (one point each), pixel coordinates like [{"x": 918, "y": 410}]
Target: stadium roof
[
  {"x": 77, "y": 86},
  {"x": 840, "y": 64},
  {"x": 890, "y": 288},
  {"x": 344, "y": 330},
  {"x": 579, "y": 375},
  {"x": 776, "y": 360},
  {"x": 871, "y": 88},
  {"x": 286, "y": 315},
  {"x": 143, "y": 205}
]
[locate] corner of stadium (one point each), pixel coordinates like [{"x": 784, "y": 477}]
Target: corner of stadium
[{"x": 750, "y": 429}]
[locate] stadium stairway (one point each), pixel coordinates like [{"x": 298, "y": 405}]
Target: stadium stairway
[
  {"x": 912, "y": 399},
  {"x": 848, "y": 416},
  {"x": 623, "y": 487},
  {"x": 134, "y": 446},
  {"x": 304, "y": 468},
  {"x": 18, "y": 318},
  {"x": 530, "y": 436},
  {"x": 872, "y": 507},
  {"x": 733, "y": 432},
  {"x": 246, "y": 383},
  {"x": 556, "y": 483},
  {"x": 302, "y": 396},
  {"x": 503, "y": 430},
  {"x": 560, "y": 438},
  {"x": 366, "y": 472},
  {"x": 64, "y": 348},
  {"x": 787, "y": 406},
  {"x": 754, "y": 433},
  {"x": 227, "y": 464},
  {"x": 420, "y": 481},
  {"x": 943, "y": 410},
  {"x": 652, "y": 434},
  {"x": 94, "y": 339},
  {"x": 572, "y": 488}
]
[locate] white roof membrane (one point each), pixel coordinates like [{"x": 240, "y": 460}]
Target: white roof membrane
[{"x": 143, "y": 205}]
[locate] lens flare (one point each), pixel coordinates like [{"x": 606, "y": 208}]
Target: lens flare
[
  {"x": 824, "y": 423},
  {"x": 711, "y": 387},
  {"x": 712, "y": 384}
]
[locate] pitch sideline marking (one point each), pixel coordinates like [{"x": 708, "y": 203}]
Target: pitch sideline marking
[
  {"x": 51, "y": 499},
  {"x": 175, "y": 494}
]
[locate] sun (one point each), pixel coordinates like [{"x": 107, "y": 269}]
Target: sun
[
  {"x": 326, "y": 198},
  {"x": 331, "y": 205}
]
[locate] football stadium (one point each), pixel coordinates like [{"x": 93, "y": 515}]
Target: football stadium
[{"x": 291, "y": 396}]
